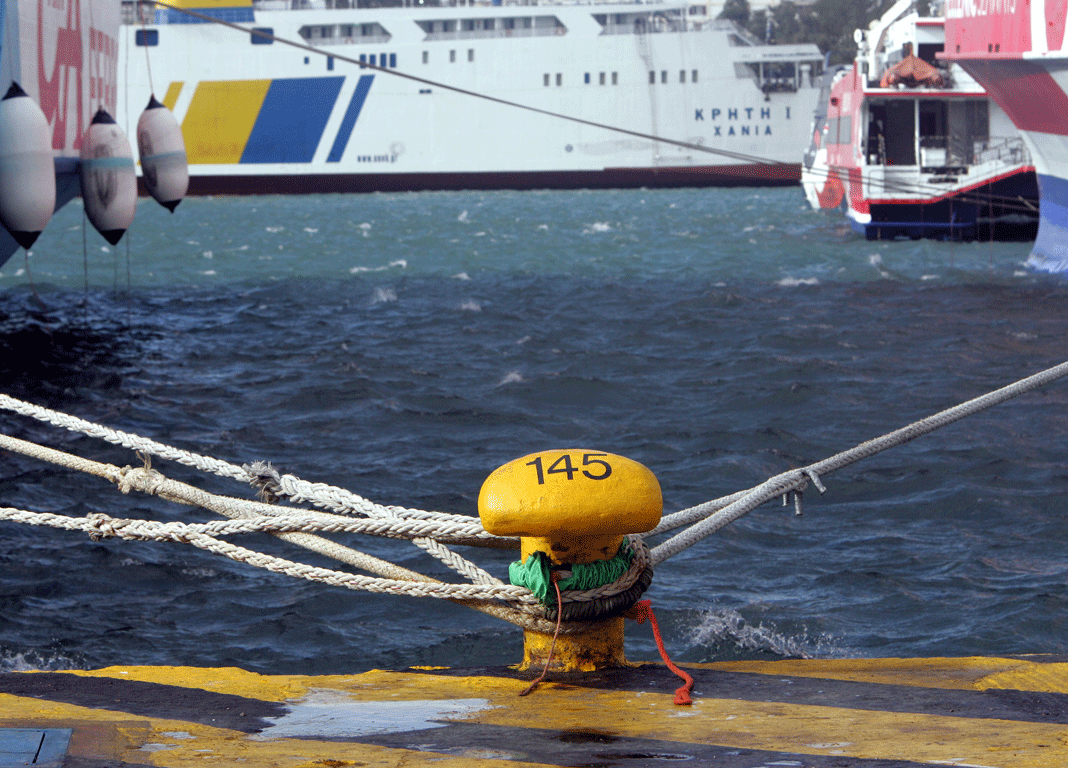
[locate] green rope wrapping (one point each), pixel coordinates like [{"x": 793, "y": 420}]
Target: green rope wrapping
[{"x": 534, "y": 574}]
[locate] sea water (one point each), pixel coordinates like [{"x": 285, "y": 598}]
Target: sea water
[{"x": 404, "y": 346}]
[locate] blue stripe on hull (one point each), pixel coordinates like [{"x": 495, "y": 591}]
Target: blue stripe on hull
[
  {"x": 292, "y": 120},
  {"x": 359, "y": 96}
]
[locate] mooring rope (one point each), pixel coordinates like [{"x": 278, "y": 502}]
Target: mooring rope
[{"x": 431, "y": 531}]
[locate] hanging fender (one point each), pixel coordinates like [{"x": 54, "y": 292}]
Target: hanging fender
[
  {"x": 162, "y": 150},
  {"x": 109, "y": 180},
  {"x": 27, "y": 170}
]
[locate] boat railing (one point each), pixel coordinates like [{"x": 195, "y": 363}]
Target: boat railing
[
  {"x": 955, "y": 151},
  {"x": 135, "y": 12}
]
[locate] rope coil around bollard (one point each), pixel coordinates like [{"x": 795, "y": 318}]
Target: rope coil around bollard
[{"x": 588, "y": 592}]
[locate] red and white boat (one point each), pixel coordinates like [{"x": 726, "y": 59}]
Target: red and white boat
[
  {"x": 908, "y": 146},
  {"x": 1016, "y": 50}
]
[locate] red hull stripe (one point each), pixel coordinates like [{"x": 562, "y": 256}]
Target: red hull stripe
[{"x": 1026, "y": 91}]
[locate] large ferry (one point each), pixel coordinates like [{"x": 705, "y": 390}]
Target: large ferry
[
  {"x": 1016, "y": 50},
  {"x": 425, "y": 96},
  {"x": 907, "y": 146}
]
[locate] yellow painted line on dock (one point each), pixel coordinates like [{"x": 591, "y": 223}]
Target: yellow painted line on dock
[{"x": 168, "y": 716}]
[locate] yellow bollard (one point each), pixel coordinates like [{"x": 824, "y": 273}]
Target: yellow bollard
[{"x": 575, "y": 506}]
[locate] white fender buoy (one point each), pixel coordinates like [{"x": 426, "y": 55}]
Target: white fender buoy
[
  {"x": 27, "y": 170},
  {"x": 109, "y": 180},
  {"x": 162, "y": 150}
]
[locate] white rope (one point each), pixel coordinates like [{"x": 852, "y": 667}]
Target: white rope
[
  {"x": 428, "y": 530},
  {"x": 797, "y": 479}
]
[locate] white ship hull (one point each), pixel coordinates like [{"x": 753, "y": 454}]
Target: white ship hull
[{"x": 274, "y": 118}]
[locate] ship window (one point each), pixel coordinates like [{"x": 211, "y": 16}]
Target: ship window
[
  {"x": 258, "y": 40},
  {"x": 559, "y": 79},
  {"x": 602, "y": 78},
  {"x": 693, "y": 76},
  {"x": 372, "y": 60},
  {"x": 587, "y": 78},
  {"x": 546, "y": 79},
  {"x": 663, "y": 76},
  {"x": 452, "y": 56},
  {"x": 392, "y": 60},
  {"x": 426, "y": 57},
  {"x": 363, "y": 60},
  {"x": 470, "y": 54},
  {"x": 682, "y": 75},
  {"x": 146, "y": 37},
  {"x": 329, "y": 62},
  {"x": 652, "y": 77},
  {"x": 615, "y": 78}
]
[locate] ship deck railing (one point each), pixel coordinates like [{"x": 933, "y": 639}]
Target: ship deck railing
[{"x": 942, "y": 170}]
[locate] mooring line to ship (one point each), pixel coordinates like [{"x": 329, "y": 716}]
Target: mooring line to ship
[
  {"x": 891, "y": 185},
  {"x": 430, "y": 530}
]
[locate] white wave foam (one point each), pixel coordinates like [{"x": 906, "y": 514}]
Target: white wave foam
[
  {"x": 462, "y": 216},
  {"x": 513, "y": 377},
  {"x": 727, "y": 627},
  {"x": 402, "y": 263},
  {"x": 461, "y": 276},
  {"x": 877, "y": 261},
  {"x": 598, "y": 226},
  {"x": 383, "y": 296},
  {"x": 470, "y": 305},
  {"x": 36, "y": 661},
  {"x": 793, "y": 282}
]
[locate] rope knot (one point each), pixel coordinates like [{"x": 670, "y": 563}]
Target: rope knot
[
  {"x": 143, "y": 479},
  {"x": 104, "y": 527},
  {"x": 265, "y": 479}
]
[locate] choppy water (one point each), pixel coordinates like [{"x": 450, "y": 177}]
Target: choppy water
[{"x": 404, "y": 346}]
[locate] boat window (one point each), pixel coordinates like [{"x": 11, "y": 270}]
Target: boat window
[
  {"x": 615, "y": 78},
  {"x": 344, "y": 34},
  {"x": 652, "y": 77},
  {"x": 602, "y": 78},
  {"x": 452, "y": 56},
  {"x": 840, "y": 130},
  {"x": 259, "y": 39},
  {"x": 426, "y": 57},
  {"x": 682, "y": 75},
  {"x": 900, "y": 132},
  {"x": 587, "y": 78},
  {"x": 663, "y": 76},
  {"x": 559, "y": 79},
  {"x": 470, "y": 54},
  {"x": 546, "y": 79},
  {"x": 693, "y": 76},
  {"x": 392, "y": 60},
  {"x": 146, "y": 37}
]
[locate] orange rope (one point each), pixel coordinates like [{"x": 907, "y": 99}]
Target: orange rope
[{"x": 642, "y": 610}]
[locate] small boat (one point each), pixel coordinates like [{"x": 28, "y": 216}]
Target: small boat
[
  {"x": 907, "y": 146},
  {"x": 1016, "y": 51}
]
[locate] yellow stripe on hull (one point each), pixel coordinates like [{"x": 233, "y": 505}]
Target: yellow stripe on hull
[
  {"x": 220, "y": 119},
  {"x": 912, "y": 712}
]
